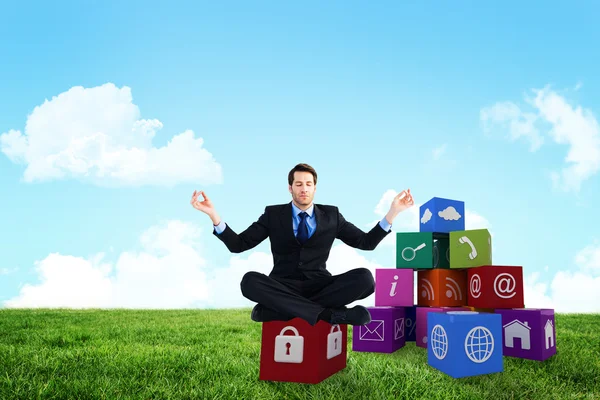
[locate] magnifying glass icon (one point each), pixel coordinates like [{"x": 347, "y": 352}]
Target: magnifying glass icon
[{"x": 408, "y": 250}]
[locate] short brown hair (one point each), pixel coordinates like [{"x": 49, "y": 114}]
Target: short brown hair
[{"x": 302, "y": 168}]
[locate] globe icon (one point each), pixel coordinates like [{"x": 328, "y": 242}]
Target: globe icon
[
  {"x": 479, "y": 344},
  {"x": 439, "y": 342}
]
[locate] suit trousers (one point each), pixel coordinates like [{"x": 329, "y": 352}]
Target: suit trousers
[{"x": 286, "y": 298}]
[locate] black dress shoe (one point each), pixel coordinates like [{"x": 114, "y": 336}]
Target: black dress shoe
[
  {"x": 256, "y": 313},
  {"x": 357, "y": 315},
  {"x": 262, "y": 314}
]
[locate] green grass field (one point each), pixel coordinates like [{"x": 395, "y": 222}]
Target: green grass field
[{"x": 214, "y": 354}]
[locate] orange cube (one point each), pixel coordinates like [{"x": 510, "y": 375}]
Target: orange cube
[{"x": 442, "y": 288}]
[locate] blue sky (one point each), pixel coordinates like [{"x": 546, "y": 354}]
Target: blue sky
[{"x": 112, "y": 114}]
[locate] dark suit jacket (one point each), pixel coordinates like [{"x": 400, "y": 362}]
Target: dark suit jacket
[{"x": 290, "y": 258}]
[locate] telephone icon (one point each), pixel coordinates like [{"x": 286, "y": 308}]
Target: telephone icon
[{"x": 473, "y": 252}]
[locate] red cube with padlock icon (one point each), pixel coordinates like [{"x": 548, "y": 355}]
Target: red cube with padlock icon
[
  {"x": 495, "y": 286},
  {"x": 295, "y": 351}
]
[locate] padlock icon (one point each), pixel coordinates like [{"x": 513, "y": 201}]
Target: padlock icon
[
  {"x": 334, "y": 342},
  {"x": 288, "y": 348}
]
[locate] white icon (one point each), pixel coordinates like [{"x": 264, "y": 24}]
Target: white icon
[
  {"x": 549, "y": 334},
  {"x": 289, "y": 349},
  {"x": 453, "y": 290},
  {"x": 479, "y": 344},
  {"x": 475, "y": 286},
  {"x": 448, "y": 254},
  {"x": 393, "y": 289},
  {"x": 427, "y": 289},
  {"x": 517, "y": 329},
  {"x": 412, "y": 255},
  {"x": 439, "y": 342},
  {"x": 436, "y": 256},
  {"x": 505, "y": 285},
  {"x": 449, "y": 214},
  {"x": 334, "y": 342},
  {"x": 426, "y": 216},
  {"x": 473, "y": 252},
  {"x": 374, "y": 331},
  {"x": 399, "y": 328}
]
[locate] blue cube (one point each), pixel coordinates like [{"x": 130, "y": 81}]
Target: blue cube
[
  {"x": 465, "y": 343},
  {"x": 440, "y": 215}
]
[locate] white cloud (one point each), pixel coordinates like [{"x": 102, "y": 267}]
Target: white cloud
[
  {"x": 426, "y": 216},
  {"x": 96, "y": 135},
  {"x": 569, "y": 125},
  {"x": 519, "y": 124},
  {"x": 449, "y": 213},
  {"x": 166, "y": 273},
  {"x": 570, "y": 291},
  {"x": 170, "y": 271}
]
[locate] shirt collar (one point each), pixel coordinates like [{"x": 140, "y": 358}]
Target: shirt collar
[{"x": 297, "y": 211}]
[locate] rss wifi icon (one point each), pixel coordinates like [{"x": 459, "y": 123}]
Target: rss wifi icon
[{"x": 453, "y": 289}]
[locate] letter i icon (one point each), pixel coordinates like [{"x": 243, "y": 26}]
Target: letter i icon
[{"x": 393, "y": 290}]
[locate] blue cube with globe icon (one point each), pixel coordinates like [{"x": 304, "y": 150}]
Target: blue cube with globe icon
[
  {"x": 441, "y": 215},
  {"x": 465, "y": 343}
]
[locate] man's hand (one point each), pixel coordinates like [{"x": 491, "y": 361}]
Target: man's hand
[
  {"x": 205, "y": 206},
  {"x": 401, "y": 202}
]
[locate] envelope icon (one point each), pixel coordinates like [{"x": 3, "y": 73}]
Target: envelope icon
[
  {"x": 372, "y": 331},
  {"x": 398, "y": 328}
]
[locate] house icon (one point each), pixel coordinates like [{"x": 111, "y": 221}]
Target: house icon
[
  {"x": 517, "y": 329},
  {"x": 549, "y": 334}
]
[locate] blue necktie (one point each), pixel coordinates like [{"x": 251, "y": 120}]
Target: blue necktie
[{"x": 302, "y": 228}]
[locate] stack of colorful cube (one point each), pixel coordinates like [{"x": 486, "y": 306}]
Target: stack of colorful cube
[
  {"x": 457, "y": 272},
  {"x": 468, "y": 312}
]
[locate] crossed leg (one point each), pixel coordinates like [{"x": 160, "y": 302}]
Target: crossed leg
[{"x": 284, "y": 299}]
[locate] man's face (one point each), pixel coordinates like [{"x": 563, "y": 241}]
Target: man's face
[{"x": 303, "y": 189}]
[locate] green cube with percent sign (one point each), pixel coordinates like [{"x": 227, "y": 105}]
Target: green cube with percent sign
[
  {"x": 470, "y": 248},
  {"x": 421, "y": 250}
]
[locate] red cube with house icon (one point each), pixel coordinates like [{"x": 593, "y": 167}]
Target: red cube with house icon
[
  {"x": 295, "y": 351},
  {"x": 495, "y": 286}
]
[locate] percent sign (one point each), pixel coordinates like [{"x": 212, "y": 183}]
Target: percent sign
[{"x": 410, "y": 325}]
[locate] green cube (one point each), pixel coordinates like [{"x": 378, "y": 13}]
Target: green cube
[
  {"x": 470, "y": 248},
  {"x": 416, "y": 250},
  {"x": 441, "y": 253}
]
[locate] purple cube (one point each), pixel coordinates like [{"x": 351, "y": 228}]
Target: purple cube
[
  {"x": 528, "y": 333},
  {"x": 394, "y": 287},
  {"x": 384, "y": 334}
]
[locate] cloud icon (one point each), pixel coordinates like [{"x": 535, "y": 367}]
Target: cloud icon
[
  {"x": 449, "y": 213},
  {"x": 426, "y": 216}
]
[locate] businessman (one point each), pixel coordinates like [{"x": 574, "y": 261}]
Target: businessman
[{"x": 301, "y": 235}]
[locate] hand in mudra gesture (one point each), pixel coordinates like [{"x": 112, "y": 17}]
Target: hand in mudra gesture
[
  {"x": 402, "y": 201},
  {"x": 205, "y": 206}
]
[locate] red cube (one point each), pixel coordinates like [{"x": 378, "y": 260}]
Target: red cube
[
  {"x": 495, "y": 286},
  {"x": 295, "y": 351}
]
